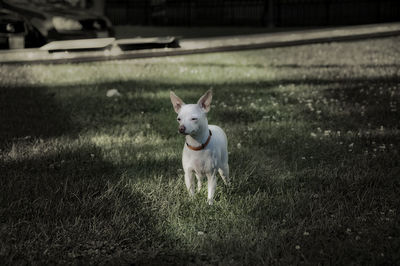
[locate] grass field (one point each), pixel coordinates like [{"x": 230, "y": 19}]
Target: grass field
[{"x": 314, "y": 142}]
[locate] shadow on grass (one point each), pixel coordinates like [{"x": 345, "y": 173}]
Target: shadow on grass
[
  {"x": 71, "y": 203},
  {"x": 318, "y": 203},
  {"x": 61, "y": 202},
  {"x": 80, "y": 189},
  {"x": 244, "y": 115},
  {"x": 148, "y": 167},
  {"x": 31, "y": 111}
]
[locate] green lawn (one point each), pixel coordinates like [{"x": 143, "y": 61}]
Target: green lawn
[{"x": 314, "y": 142}]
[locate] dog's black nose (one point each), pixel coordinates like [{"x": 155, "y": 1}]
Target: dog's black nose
[{"x": 182, "y": 129}]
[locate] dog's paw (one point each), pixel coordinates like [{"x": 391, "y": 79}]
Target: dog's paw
[{"x": 210, "y": 201}]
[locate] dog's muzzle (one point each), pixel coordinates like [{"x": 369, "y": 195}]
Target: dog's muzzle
[{"x": 182, "y": 129}]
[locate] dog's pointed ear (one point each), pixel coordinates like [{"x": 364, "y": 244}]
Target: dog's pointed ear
[
  {"x": 176, "y": 101},
  {"x": 205, "y": 101}
]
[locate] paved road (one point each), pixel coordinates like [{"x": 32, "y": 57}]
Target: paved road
[{"x": 208, "y": 45}]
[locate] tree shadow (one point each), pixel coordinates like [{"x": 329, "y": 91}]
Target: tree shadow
[
  {"x": 31, "y": 112},
  {"x": 75, "y": 204},
  {"x": 65, "y": 198},
  {"x": 82, "y": 179},
  {"x": 245, "y": 115},
  {"x": 331, "y": 180}
]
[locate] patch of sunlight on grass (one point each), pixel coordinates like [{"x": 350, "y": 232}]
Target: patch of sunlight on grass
[
  {"x": 112, "y": 141},
  {"x": 25, "y": 149},
  {"x": 18, "y": 75},
  {"x": 183, "y": 69},
  {"x": 125, "y": 147}
]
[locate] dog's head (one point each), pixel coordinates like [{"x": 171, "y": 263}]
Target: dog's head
[{"x": 192, "y": 117}]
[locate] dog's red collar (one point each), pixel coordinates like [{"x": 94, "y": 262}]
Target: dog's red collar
[{"x": 202, "y": 145}]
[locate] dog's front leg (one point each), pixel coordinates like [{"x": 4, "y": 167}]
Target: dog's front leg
[
  {"x": 212, "y": 184},
  {"x": 199, "y": 182},
  {"x": 189, "y": 181}
]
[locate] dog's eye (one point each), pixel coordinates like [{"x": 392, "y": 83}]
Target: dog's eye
[
  {"x": 178, "y": 119},
  {"x": 194, "y": 119}
]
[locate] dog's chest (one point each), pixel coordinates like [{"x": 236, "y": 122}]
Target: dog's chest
[{"x": 202, "y": 162}]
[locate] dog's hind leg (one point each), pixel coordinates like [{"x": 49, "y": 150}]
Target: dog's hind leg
[
  {"x": 212, "y": 184},
  {"x": 224, "y": 172}
]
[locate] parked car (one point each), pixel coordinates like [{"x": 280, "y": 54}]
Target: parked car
[
  {"x": 16, "y": 32},
  {"x": 57, "y": 20}
]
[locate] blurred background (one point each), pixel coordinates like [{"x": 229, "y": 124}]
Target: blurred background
[
  {"x": 33, "y": 23},
  {"x": 278, "y": 13}
]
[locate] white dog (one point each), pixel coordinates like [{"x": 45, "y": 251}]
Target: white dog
[{"x": 206, "y": 148}]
